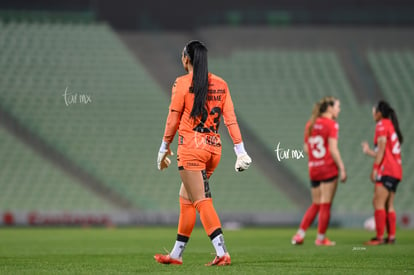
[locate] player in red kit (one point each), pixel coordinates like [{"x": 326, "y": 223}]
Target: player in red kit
[
  {"x": 387, "y": 170},
  {"x": 325, "y": 165}
]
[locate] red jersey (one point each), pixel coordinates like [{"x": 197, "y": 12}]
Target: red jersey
[
  {"x": 202, "y": 132},
  {"x": 391, "y": 162},
  {"x": 320, "y": 162}
]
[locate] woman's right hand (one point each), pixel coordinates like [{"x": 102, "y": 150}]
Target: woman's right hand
[{"x": 162, "y": 159}]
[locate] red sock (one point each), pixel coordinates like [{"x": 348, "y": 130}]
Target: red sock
[
  {"x": 187, "y": 217},
  {"x": 208, "y": 215},
  {"x": 392, "y": 224},
  {"x": 387, "y": 223},
  {"x": 380, "y": 219},
  {"x": 324, "y": 216},
  {"x": 309, "y": 216}
]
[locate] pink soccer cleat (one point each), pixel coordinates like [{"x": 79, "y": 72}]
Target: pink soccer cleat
[
  {"x": 297, "y": 239},
  {"x": 223, "y": 260},
  {"x": 375, "y": 241},
  {"x": 324, "y": 242},
  {"x": 166, "y": 259}
]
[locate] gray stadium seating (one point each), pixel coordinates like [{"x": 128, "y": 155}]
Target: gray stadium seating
[
  {"x": 115, "y": 137},
  {"x": 276, "y": 90}
]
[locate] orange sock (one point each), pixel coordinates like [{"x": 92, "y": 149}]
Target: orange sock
[
  {"x": 208, "y": 215},
  {"x": 187, "y": 218}
]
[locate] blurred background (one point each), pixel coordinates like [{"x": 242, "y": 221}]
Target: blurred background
[{"x": 85, "y": 88}]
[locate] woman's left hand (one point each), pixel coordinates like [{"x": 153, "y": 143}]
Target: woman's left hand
[{"x": 365, "y": 147}]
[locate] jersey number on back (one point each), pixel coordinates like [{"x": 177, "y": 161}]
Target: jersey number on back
[
  {"x": 396, "y": 148},
  {"x": 317, "y": 146},
  {"x": 202, "y": 128}
]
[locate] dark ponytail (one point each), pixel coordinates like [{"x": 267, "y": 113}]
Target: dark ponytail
[
  {"x": 197, "y": 53},
  {"x": 387, "y": 112}
]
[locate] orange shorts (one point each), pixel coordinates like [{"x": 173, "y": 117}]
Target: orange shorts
[{"x": 197, "y": 160}]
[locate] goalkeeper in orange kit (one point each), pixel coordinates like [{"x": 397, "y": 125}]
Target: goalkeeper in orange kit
[{"x": 199, "y": 100}]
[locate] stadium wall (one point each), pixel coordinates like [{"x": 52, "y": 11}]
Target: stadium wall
[{"x": 131, "y": 218}]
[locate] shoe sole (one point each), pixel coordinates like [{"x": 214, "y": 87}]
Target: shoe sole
[
  {"x": 330, "y": 244},
  {"x": 373, "y": 244},
  {"x": 223, "y": 263},
  {"x": 157, "y": 259}
]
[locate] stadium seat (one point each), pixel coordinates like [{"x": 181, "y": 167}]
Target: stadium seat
[
  {"x": 116, "y": 136},
  {"x": 31, "y": 183},
  {"x": 275, "y": 91}
]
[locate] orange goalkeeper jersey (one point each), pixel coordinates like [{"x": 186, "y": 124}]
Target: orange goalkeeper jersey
[{"x": 201, "y": 132}]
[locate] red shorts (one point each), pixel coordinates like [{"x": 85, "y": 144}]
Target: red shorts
[{"x": 197, "y": 160}]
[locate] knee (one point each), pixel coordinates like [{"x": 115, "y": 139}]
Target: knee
[
  {"x": 326, "y": 198},
  {"x": 199, "y": 204},
  {"x": 185, "y": 201},
  {"x": 316, "y": 201},
  {"x": 390, "y": 207}
]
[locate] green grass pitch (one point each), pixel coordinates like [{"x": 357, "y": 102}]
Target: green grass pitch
[{"x": 253, "y": 251}]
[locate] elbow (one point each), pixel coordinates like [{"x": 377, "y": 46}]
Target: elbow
[{"x": 334, "y": 150}]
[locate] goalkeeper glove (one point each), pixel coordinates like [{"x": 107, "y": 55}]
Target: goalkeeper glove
[
  {"x": 243, "y": 160},
  {"x": 162, "y": 160}
]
